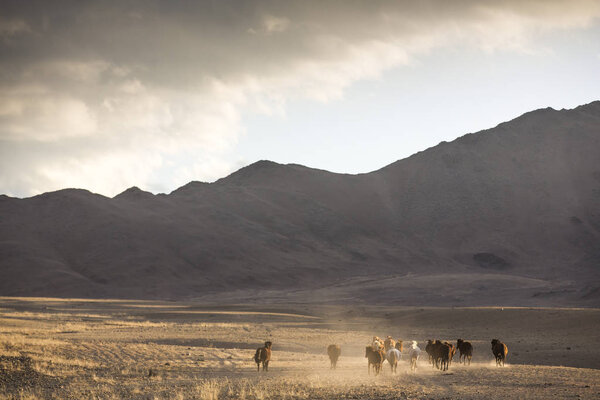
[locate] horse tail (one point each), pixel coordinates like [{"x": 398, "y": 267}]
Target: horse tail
[{"x": 257, "y": 356}]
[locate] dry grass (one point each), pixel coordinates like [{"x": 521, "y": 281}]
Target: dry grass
[{"x": 138, "y": 350}]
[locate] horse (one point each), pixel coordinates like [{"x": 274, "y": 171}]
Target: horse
[
  {"x": 414, "y": 353},
  {"x": 429, "y": 350},
  {"x": 500, "y": 351},
  {"x": 334, "y": 351},
  {"x": 392, "y": 356},
  {"x": 466, "y": 351},
  {"x": 375, "y": 358},
  {"x": 263, "y": 355},
  {"x": 389, "y": 343},
  {"x": 399, "y": 345}
]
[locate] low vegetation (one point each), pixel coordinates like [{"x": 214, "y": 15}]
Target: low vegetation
[{"x": 71, "y": 349}]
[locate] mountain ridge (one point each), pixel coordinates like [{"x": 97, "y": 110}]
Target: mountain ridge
[
  {"x": 521, "y": 199},
  {"x": 594, "y": 106}
]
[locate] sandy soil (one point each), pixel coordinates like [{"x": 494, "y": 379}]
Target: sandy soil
[{"x": 105, "y": 349}]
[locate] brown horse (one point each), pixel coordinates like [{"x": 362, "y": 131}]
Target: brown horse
[
  {"x": 429, "y": 350},
  {"x": 334, "y": 351},
  {"x": 375, "y": 358},
  {"x": 500, "y": 351},
  {"x": 452, "y": 351},
  {"x": 443, "y": 355},
  {"x": 263, "y": 355},
  {"x": 399, "y": 345},
  {"x": 466, "y": 351},
  {"x": 389, "y": 343}
]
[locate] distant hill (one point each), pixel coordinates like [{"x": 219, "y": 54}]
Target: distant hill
[{"x": 509, "y": 215}]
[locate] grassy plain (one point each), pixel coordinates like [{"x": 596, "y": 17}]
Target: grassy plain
[{"x": 125, "y": 349}]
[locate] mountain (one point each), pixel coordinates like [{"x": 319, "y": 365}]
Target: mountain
[{"x": 509, "y": 216}]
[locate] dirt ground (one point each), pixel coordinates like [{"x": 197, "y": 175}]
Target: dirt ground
[{"x": 121, "y": 349}]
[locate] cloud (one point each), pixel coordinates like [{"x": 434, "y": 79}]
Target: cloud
[
  {"x": 12, "y": 27},
  {"x": 34, "y": 113},
  {"x": 275, "y": 24},
  {"x": 114, "y": 94}
]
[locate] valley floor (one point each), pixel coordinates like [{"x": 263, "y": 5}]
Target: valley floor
[{"x": 117, "y": 349}]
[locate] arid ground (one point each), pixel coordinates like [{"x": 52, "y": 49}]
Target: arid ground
[{"x": 120, "y": 349}]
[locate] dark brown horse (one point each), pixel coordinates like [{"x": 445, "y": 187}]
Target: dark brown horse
[
  {"x": 429, "y": 351},
  {"x": 452, "y": 351},
  {"x": 500, "y": 351},
  {"x": 375, "y": 358},
  {"x": 466, "y": 351},
  {"x": 334, "y": 351},
  {"x": 263, "y": 355},
  {"x": 442, "y": 354}
]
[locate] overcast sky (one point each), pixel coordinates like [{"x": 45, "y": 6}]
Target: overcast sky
[{"x": 107, "y": 95}]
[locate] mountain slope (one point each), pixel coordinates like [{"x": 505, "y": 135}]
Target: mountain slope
[{"x": 516, "y": 206}]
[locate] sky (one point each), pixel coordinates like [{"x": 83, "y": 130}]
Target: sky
[{"x": 108, "y": 95}]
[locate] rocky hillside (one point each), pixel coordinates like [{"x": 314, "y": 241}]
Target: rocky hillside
[{"x": 509, "y": 215}]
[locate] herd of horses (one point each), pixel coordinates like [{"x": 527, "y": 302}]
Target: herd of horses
[{"x": 440, "y": 354}]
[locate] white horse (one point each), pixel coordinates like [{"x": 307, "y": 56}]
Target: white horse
[
  {"x": 393, "y": 356},
  {"x": 414, "y": 353}
]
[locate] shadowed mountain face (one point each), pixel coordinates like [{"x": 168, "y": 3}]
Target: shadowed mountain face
[{"x": 506, "y": 216}]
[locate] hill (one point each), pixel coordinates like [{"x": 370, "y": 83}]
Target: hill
[{"x": 509, "y": 215}]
